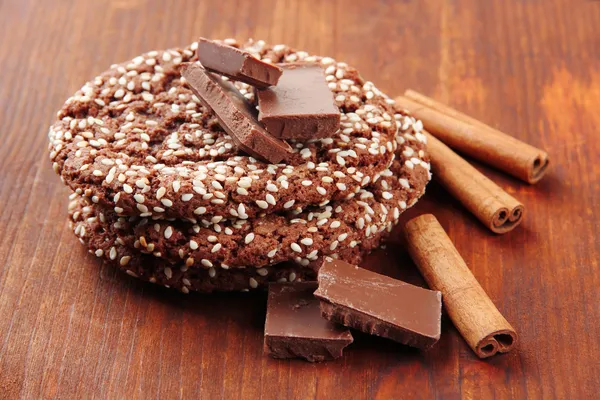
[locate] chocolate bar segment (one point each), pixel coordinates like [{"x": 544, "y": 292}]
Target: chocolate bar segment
[
  {"x": 301, "y": 106},
  {"x": 379, "y": 305},
  {"x": 236, "y": 64},
  {"x": 236, "y": 115},
  {"x": 294, "y": 327}
]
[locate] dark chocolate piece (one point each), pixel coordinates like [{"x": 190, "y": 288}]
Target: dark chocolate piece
[
  {"x": 236, "y": 64},
  {"x": 379, "y": 305},
  {"x": 301, "y": 106},
  {"x": 295, "y": 328},
  {"x": 236, "y": 115}
]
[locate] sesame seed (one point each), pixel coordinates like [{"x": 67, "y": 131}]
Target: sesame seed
[
  {"x": 212, "y": 272},
  {"x": 296, "y": 247},
  {"x": 124, "y": 260},
  {"x": 139, "y": 198},
  {"x": 168, "y": 272},
  {"x": 272, "y": 253},
  {"x": 262, "y": 204},
  {"x": 262, "y": 271},
  {"x": 127, "y": 188},
  {"x": 253, "y": 283},
  {"x": 335, "y": 224},
  {"x": 249, "y": 238},
  {"x": 200, "y": 210},
  {"x": 270, "y": 199},
  {"x": 360, "y": 223},
  {"x": 206, "y": 263},
  {"x": 245, "y": 182},
  {"x": 216, "y": 248},
  {"x": 187, "y": 197},
  {"x": 307, "y": 241},
  {"x": 321, "y": 190}
]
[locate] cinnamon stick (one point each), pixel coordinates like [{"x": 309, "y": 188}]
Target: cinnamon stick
[
  {"x": 477, "y": 319},
  {"x": 478, "y": 140},
  {"x": 495, "y": 208}
]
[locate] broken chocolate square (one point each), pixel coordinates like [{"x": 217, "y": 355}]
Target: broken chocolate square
[
  {"x": 301, "y": 106},
  {"x": 379, "y": 305},
  {"x": 294, "y": 327},
  {"x": 236, "y": 64}
]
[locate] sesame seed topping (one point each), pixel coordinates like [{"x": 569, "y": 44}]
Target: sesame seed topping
[
  {"x": 306, "y": 241},
  {"x": 296, "y": 247}
]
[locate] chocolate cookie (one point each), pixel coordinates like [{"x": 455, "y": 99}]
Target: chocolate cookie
[
  {"x": 136, "y": 140},
  {"x": 222, "y": 254}
]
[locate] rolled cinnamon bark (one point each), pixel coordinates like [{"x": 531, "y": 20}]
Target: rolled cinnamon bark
[
  {"x": 477, "y": 319},
  {"x": 495, "y": 208},
  {"x": 478, "y": 140}
]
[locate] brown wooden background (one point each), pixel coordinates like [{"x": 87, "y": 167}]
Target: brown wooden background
[{"x": 71, "y": 328}]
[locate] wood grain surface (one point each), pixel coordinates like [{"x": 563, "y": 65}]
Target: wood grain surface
[{"x": 72, "y": 328}]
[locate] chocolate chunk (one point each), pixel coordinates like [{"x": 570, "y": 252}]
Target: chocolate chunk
[
  {"x": 236, "y": 115},
  {"x": 237, "y": 64},
  {"x": 379, "y": 305},
  {"x": 295, "y": 328},
  {"x": 301, "y": 106}
]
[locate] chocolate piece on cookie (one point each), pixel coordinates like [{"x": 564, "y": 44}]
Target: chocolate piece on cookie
[
  {"x": 379, "y": 305},
  {"x": 236, "y": 64},
  {"x": 294, "y": 327},
  {"x": 236, "y": 115},
  {"x": 301, "y": 106}
]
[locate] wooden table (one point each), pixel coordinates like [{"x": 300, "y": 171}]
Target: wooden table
[{"x": 72, "y": 328}]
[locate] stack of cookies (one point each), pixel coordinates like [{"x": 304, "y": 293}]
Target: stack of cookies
[{"x": 163, "y": 191}]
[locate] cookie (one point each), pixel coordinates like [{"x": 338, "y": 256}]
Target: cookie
[
  {"x": 347, "y": 229},
  {"x": 136, "y": 140}
]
